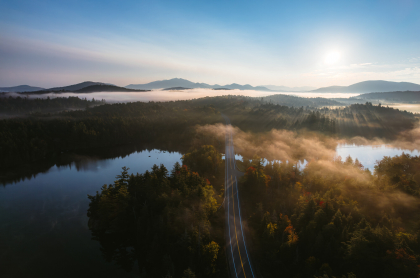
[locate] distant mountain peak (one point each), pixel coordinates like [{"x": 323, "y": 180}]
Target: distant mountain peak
[
  {"x": 370, "y": 86},
  {"x": 78, "y": 86},
  {"x": 20, "y": 88},
  {"x": 180, "y": 82}
]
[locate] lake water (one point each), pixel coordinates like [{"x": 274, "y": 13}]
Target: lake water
[
  {"x": 43, "y": 222},
  {"x": 368, "y": 155}
]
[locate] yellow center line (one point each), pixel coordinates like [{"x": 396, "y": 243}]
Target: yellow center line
[{"x": 237, "y": 243}]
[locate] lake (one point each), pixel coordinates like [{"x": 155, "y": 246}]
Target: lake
[
  {"x": 368, "y": 155},
  {"x": 44, "y": 232}
]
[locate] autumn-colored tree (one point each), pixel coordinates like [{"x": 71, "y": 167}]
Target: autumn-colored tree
[
  {"x": 207, "y": 161},
  {"x": 210, "y": 252},
  {"x": 333, "y": 230}
]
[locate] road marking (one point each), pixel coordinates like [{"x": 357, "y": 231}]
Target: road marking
[
  {"x": 230, "y": 238},
  {"x": 236, "y": 234},
  {"x": 232, "y": 164},
  {"x": 240, "y": 221}
]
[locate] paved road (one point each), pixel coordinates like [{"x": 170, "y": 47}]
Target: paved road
[{"x": 239, "y": 261}]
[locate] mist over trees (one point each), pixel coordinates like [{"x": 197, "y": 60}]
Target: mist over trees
[
  {"x": 22, "y": 106},
  {"x": 317, "y": 222},
  {"x": 401, "y": 96},
  {"x": 330, "y": 219},
  {"x": 367, "y": 120},
  {"x": 42, "y": 136}
]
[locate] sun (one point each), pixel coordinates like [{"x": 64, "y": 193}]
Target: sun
[{"x": 332, "y": 58}]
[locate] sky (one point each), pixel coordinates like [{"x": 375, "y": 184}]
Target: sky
[{"x": 289, "y": 43}]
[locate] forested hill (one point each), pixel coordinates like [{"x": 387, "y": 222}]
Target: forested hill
[
  {"x": 409, "y": 96},
  {"x": 257, "y": 115},
  {"x": 89, "y": 89},
  {"x": 77, "y": 86},
  {"x": 106, "y": 88},
  {"x": 176, "y": 89},
  {"x": 295, "y": 101},
  {"x": 333, "y": 219},
  {"x": 26, "y": 140},
  {"x": 15, "y": 107},
  {"x": 36, "y": 137},
  {"x": 20, "y": 88},
  {"x": 371, "y": 86},
  {"x": 170, "y": 220}
]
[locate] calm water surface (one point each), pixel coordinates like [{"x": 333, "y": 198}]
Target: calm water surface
[
  {"x": 368, "y": 155},
  {"x": 43, "y": 222}
]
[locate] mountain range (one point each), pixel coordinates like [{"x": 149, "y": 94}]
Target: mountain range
[
  {"x": 20, "y": 88},
  {"x": 78, "y": 86},
  {"x": 370, "y": 87},
  {"x": 106, "y": 88},
  {"x": 96, "y": 88},
  {"x": 179, "y": 82},
  {"x": 361, "y": 87},
  {"x": 405, "y": 96}
]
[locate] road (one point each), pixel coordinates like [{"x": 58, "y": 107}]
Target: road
[{"x": 236, "y": 249}]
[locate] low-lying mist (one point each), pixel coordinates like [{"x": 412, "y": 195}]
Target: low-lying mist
[
  {"x": 163, "y": 95},
  {"x": 295, "y": 146},
  {"x": 155, "y": 95},
  {"x": 323, "y": 164},
  {"x": 406, "y": 140}
]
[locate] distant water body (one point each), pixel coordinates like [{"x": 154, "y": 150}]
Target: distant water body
[{"x": 367, "y": 155}]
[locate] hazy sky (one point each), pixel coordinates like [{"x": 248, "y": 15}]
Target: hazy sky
[{"x": 291, "y": 43}]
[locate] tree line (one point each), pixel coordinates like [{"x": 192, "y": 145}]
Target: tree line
[
  {"x": 26, "y": 140},
  {"x": 42, "y": 135},
  {"x": 367, "y": 120},
  {"x": 335, "y": 221},
  {"x": 168, "y": 223},
  {"x": 21, "y": 106},
  {"x": 342, "y": 221}
]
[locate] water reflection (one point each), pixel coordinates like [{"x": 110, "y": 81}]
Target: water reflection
[
  {"x": 367, "y": 155},
  {"x": 95, "y": 160},
  {"x": 90, "y": 164},
  {"x": 43, "y": 218},
  {"x": 43, "y": 222}
]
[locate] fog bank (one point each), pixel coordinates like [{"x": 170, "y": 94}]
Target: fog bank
[{"x": 161, "y": 95}]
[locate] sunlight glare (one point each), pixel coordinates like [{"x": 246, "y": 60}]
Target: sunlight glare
[{"x": 332, "y": 58}]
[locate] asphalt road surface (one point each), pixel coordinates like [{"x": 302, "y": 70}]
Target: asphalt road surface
[{"x": 236, "y": 249}]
